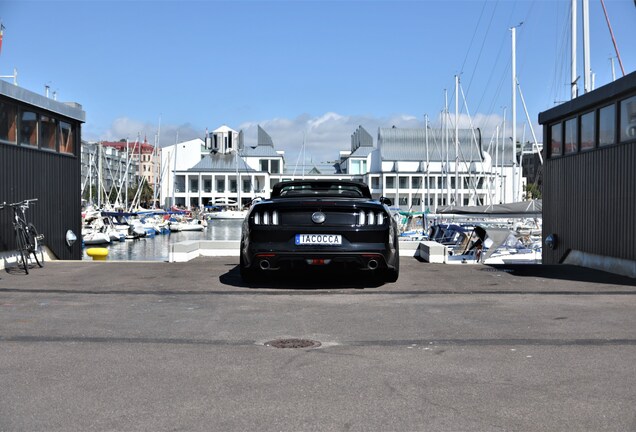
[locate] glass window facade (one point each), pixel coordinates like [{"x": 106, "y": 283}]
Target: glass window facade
[
  {"x": 556, "y": 140},
  {"x": 29, "y": 128},
  {"x": 8, "y": 123},
  {"x": 275, "y": 167},
  {"x": 628, "y": 119},
  {"x": 571, "y": 136},
  {"x": 588, "y": 131},
  {"x": 48, "y": 133},
  {"x": 606, "y": 125}
]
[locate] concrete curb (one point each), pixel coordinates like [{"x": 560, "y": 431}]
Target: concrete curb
[{"x": 189, "y": 250}]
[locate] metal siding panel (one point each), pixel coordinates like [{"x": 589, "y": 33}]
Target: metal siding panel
[
  {"x": 54, "y": 180},
  {"x": 589, "y": 201}
]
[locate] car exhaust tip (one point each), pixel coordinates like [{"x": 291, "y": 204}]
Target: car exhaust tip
[
  {"x": 372, "y": 264},
  {"x": 264, "y": 264}
]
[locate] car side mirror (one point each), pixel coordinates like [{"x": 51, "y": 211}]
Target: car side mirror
[{"x": 386, "y": 201}]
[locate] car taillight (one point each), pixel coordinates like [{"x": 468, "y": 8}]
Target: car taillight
[
  {"x": 370, "y": 218},
  {"x": 266, "y": 218}
]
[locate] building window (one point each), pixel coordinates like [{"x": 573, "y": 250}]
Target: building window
[
  {"x": 403, "y": 201},
  {"x": 8, "y": 118},
  {"x": 416, "y": 182},
  {"x": 29, "y": 128},
  {"x": 416, "y": 201},
  {"x": 194, "y": 185},
  {"x": 628, "y": 119},
  {"x": 556, "y": 140},
  {"x": 220, "y": 185},
  {"x": 233, "y": 185},
  {"x": 404, "y": 182},
  {"x": 354, "y": 167},
  {"x": 207, "y": 186},
  {"x": 48, "y": 129},
  {"x": 390, "y": 182},
  {"x": 264, "y": 165},
  {"x": 67, "y": 138},
  {"x": 606, "y": 125},
  {"x": 247, "y": 185},
  {"x": 375, "y": 183},
  {"x": 588, "y": 131},
  {"x": 571, "y": 136},
  {"x": 275, "y": 167}
]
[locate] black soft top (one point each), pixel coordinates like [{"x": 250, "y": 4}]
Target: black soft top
[{"x": 312, "y": 188}]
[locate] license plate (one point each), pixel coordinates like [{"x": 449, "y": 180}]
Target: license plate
[{"x": 318, "y": 239}]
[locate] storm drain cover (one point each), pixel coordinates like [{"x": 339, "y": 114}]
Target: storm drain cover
[{"x": 293, "y": 343}]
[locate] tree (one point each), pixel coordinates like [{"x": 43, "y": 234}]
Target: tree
[{"x": 533, "y": 191}]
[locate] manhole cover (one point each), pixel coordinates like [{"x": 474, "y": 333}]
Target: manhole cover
[{"x": 293, "y": 343}]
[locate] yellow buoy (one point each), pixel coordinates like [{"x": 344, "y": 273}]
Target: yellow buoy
[{"x": 98, "y": 254}]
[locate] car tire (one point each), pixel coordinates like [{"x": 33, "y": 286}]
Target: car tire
[
  {"x": 247, "y": 274},
  {"x": 391, "y": 275}
]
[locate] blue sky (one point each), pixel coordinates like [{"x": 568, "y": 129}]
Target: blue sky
[{"x": 311, "y": 70}]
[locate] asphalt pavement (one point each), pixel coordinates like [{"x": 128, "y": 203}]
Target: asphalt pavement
[{"x": 152, "y": 346}]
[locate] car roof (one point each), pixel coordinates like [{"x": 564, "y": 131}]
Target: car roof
[{"x": 322, "y": 186}]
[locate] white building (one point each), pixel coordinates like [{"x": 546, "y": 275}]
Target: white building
[
  {"x": 424, "y": 169},
  {"x": 418, "y": 169},
  {"x": 178, "y": 158}
]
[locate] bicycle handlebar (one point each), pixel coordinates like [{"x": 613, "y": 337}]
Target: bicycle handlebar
[{"x": 21, "y": 203}]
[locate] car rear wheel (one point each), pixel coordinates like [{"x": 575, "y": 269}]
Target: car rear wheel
[
  {"x": 247, "y": 274},
  {"x": 391, "y": 275}
]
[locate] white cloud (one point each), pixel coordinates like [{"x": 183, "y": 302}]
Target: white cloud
[
  {"x": 324, "y": 136},
  {"x": 131, "y": 129}
]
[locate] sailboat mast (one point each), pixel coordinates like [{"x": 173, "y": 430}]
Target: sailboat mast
[
  {"x": 587, "y": 72},
  {"x": 99, "y": 174},
  {"x": 174, "y": 171},
  {"x": 502, "y": 195},
  {"x": 456, "y": 140},
  {"x": 514, "y": 112},
  {"x": 574, "y": 77},
  {"x": 427, "y": 162},
  {"x": 155, "y": 167},
  {"x": 447, "y": 169},
  {"x": 497, "y": 177},
  {"x": 238, "y": 182},
  {"x": 126, "y": 174}
]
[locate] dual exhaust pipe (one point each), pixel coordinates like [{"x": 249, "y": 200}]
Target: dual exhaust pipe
[{"x": 265, "y": 264}]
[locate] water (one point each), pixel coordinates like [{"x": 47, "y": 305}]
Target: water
[{"x": 156, "y": 248}]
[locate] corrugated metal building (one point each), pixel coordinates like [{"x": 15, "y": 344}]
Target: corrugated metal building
[
  {"x": 589, "y": 180},
  {"x": 40, "y": 158}
]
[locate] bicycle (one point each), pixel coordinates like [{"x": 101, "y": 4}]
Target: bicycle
[{"x": 28, "y": 241}]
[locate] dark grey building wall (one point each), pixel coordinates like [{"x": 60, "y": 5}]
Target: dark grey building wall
[
  {"x": 52, "y": 178},
  {"x": 589, "y": 202},
  {"x": 589, "y": 197},
  {"x": 41, "y": 171}
]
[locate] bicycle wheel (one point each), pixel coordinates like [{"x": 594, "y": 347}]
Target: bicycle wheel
[
  {"x": 22, "y": 245},
  {"x": 35, "y": 245}
]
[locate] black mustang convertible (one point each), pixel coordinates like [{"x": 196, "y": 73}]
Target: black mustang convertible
[{"x": 327, "y": 224}]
